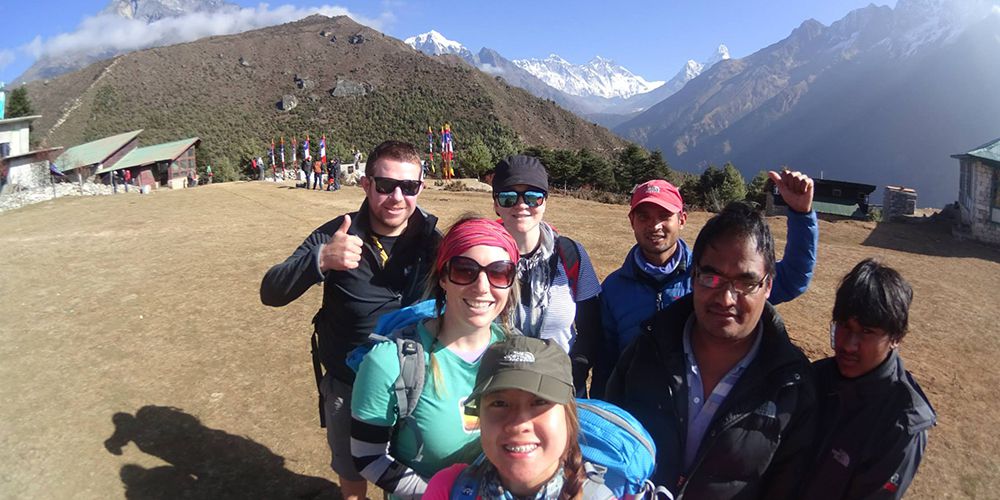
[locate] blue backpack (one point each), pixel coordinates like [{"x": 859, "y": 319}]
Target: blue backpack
[
  {"x": 401, "y": 327},
  {"x": 619, "y": 456}
]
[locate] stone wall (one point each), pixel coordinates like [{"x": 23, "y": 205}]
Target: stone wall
[
  {"x": 17, "y": 198},
  {"x": 979, "y": 214}
]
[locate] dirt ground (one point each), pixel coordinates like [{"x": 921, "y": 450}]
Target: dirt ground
[{"x": 136, "y": 359}]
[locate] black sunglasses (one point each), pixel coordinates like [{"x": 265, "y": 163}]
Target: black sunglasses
[
  {"x": 531, "y": 197},
  {"x": 386, "y": 185},
  {"x": 465, "y": 271}
]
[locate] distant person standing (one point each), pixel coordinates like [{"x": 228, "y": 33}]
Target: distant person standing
[
  {"x": 334, "y": 175},
  {"x": 317, "y": 175},
  {"x": 371, "y": 262},
  {"x": 208, "y": 173},
  {"x": 873, "y": 415},
  {"x": 128, "y": 178}
]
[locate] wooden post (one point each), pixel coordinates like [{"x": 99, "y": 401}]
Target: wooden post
[{"x": 79, "y": 178}]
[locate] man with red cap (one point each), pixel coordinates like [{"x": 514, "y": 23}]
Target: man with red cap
[{"x": 657, "y": 271}]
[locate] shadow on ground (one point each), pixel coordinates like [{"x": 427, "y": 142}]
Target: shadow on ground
[
  {"x": 928, "y": 237},
  {"x": 204, "y": 463}
]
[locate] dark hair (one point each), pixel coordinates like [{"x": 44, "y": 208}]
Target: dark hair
[
  {"x": 737, "y": 219},
  {"x": 574, "y": 474},
  {"x": 875, "y": 295},
  {"x": 394, "y": 150}
]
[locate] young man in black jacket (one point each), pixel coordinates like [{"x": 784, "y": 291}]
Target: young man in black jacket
[
  {"x": 727, "y": 398},
  {"x": 371, "y": 262},
  {"x": 874, "y": 417}
]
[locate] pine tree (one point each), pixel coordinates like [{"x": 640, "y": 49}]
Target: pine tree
[
  {"x": 476, "y": 159},
  {"x": 18, "y": 103},
  {"x": 757, "y": 189}
]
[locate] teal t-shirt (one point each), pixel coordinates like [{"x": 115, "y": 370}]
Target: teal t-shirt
[{"x": 449, "y": 435}]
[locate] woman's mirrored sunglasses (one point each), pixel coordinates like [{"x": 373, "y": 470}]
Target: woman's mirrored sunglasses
[
  {"x": 531, "y": 197},
  {"x": 386, "y": 185},
  {"x": 465, "y": 271}
]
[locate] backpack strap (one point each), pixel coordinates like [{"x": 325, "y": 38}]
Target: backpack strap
[
  {"x": 410, "y": 383},
  {"x": 569, "y": 256},
  {"x": 594, "y": 487}
]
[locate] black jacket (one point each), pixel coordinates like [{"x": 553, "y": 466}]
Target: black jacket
[
  {"x": 874, "y": 432},
  {"x": 353, "y": 300},
  {"x": 759, "y": 439}
]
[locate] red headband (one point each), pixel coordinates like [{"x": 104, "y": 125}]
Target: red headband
[{"x": 474, "y": 232}]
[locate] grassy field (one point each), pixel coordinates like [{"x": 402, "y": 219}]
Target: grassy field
[{"x": 136, "y": 359}]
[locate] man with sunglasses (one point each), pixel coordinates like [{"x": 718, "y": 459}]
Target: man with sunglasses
[
  {"x": 726, "y": 396},
  {"x": 371, "y": 262},
  {"x": 657, "y": 270}
]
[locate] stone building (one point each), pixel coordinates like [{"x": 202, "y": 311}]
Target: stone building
[
  {"x": 20, "y": 166},
  {"x": 979, "y": 193},
  {"x": 898, "y": 201}
]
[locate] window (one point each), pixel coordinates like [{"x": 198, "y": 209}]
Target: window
[
  {"x": 995, "y": 196},
  {"x": 836, "y": 192}
]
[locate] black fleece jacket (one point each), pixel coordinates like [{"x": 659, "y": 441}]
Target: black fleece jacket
[
  {"x": 758, "y": 441},
  {"x": 354, "y": 300}
]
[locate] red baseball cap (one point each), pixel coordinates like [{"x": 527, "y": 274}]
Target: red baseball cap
[{"x": 659, "y": 192}]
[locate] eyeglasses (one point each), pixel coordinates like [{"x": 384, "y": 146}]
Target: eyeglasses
[
  {"x": 507, "y": 199},
  {"x": 386, "y": 185},
  {"x": 716, "y": 282},
  {"x": 465, "y": 271}
]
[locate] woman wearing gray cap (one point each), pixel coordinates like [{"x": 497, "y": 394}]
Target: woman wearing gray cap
[{"x": 559, "y": 288}]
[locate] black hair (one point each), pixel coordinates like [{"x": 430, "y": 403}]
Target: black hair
[
  {"x": 737, "y": 219},
  {"x": 394, "y": 150},
  {"x": 876, "y": 296}
]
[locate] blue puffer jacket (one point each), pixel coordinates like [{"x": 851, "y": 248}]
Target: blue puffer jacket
[{"x": 629, "y": 296}]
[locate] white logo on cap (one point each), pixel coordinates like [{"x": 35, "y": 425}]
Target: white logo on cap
[
  {"x": 518, "y": 357},
  {"x": 652, "y": 189}
]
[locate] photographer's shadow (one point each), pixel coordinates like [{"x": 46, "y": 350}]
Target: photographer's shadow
[{"x": 204, "y": 463}]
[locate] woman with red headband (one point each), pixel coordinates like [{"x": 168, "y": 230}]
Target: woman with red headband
[{"x": 473, "y": 276}]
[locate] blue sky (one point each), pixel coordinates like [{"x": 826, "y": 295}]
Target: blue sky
[{"x": 651, "y": 38}]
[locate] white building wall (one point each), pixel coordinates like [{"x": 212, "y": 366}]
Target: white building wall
[{"x": 16, "y": 134}]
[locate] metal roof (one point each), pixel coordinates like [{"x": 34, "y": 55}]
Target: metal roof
[
  {"x": 989, "y": 151},
  {"x": 11, "y": 121},
  {"x": 834, "y": 207},
  {"x": 168, "y": 151},
  {"x": 93, "y": 152}
]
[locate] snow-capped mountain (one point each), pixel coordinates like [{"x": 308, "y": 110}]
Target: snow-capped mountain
[
  {"x": 154, "y": 10},
  {"x": 599, "y": 77},
  {"x": 882, "y": 96},
  {"x": 433, "y": 43},
  {"x": 692, "y": 69}
]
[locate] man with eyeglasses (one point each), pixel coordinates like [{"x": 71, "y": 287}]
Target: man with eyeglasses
[
  {"x": 726, "y": 396},
  {"x": 657, "y": 270},
  {"x": 371, "y": 262}
]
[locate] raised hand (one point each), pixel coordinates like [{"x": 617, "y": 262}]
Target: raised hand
[
  {"x": 343, "y": 252},
  {"x": 795, "y": 188}
]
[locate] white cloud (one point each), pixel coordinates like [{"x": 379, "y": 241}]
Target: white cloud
[
  {"x": 104, "y": 34},
  {"x": 6, "y": 57},
  {"x": 490, "y": 69}
]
